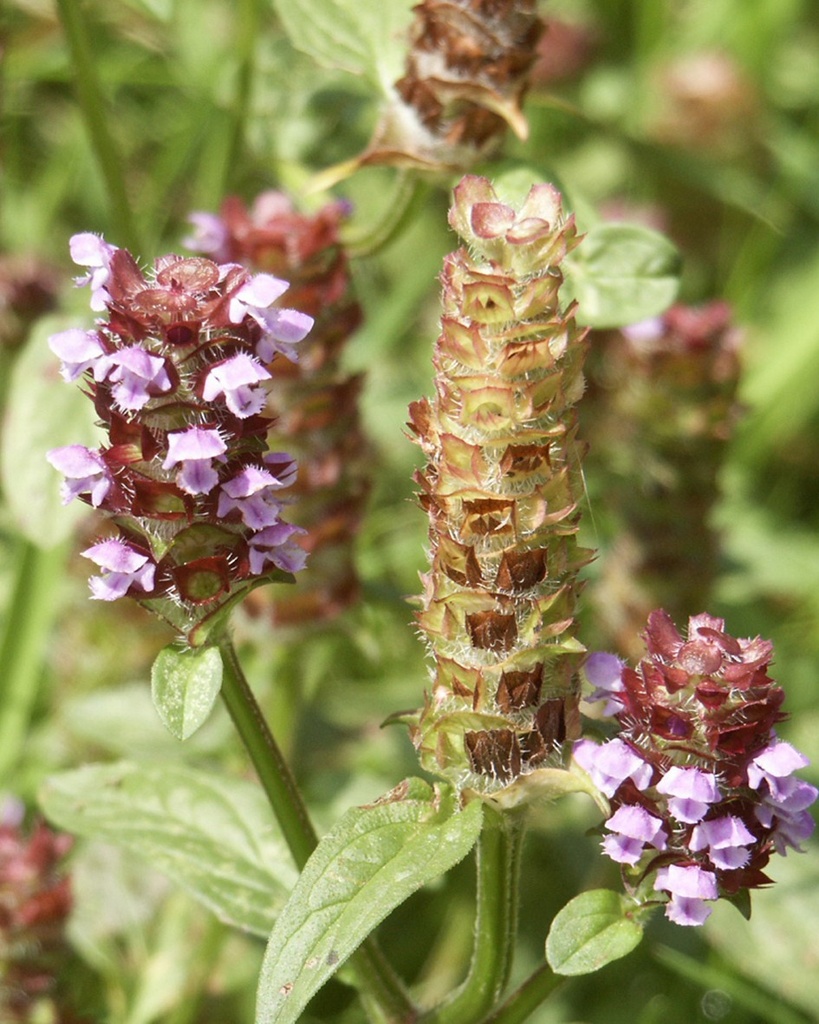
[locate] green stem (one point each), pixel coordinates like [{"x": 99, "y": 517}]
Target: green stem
[
  {"x": 273, "y": 771},
  {"x": 407, "y": 197},
  {"x": 498, "y": 870},
  {"x": 761, "y": 1004},
  {"x": 89, "y": 93},
  {"x": 27, "y": 622},
  {"x": 382, "y": 991},
  {"x": 527, "y": 998}
]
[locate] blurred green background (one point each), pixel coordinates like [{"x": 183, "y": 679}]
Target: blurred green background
[{"x": 700, "y": 116}]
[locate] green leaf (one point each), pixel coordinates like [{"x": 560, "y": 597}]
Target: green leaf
[
  {"x": 373, "y": 860},
  {"x": 42, "y": 412},
  {"x": 621, "y": 274},
  {"x": 213, "y": 836},
  {"x": 365, "y": 37},
  {"x": 593, "y": 929},
  {"x": 184, "y": 686}
]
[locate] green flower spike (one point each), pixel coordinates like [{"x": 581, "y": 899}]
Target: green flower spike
[{"x": 502, "y": 486}]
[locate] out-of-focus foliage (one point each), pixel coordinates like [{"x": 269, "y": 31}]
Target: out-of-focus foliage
[{"x": 698, "y": 118}]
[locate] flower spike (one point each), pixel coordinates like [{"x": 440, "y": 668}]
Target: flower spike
[
  {"x": 698, "y": 766},
  {"x": 502, "y": 487},
  {"x": 175, "y": 375}
]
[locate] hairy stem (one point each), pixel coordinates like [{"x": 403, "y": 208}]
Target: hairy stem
[
  {"x": 382, "y": 991},
  {"x": 498, "y": 870},
  {"x": 273, "y": 771},
  {"x": 89, "y": 93}
]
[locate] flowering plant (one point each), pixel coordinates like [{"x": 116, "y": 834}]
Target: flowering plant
[
  {"x": 699, "y": 788},
  {"x": 571, "y": 779}
]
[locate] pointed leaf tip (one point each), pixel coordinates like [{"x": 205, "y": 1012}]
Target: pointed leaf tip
[
  {"x": 591, "y": 931},
  {"x": 372, "y": 861},
  {"x": 184, "y": 687}
]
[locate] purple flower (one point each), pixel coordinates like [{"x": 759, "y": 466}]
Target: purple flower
[
  {"x": 787, "y": 813},
  {"x": 254, "y": 298},
  {"x": 92, "y": 251},
  {"x": 195, "y": 449},
  {"x": 174, "y": 341},
  {"x": 79, "y": 351},
  {"x": 274, "y": 544},
  {"x": 136, "y": 375},
  {"x": 689, "y": 886},
  {"x": 645, "y": 332},
  {"x": 784, "y": 799},
  {"x": 123, "y": 567},
  {"x": 702, "y": 712},
  {"x": 283, "y": 466},
  {"x": 725, "y": 839},
  {"x": 251, "y": 492},
  {"x": 282, "y": 329},
  {"x": 605, "y": 673},
  {"x": 792, "y": 828},
  {"x": 633, "y": 827},
  {"x": 234, "y": 378},
  {"x": 792, "y": 832},
  {"x": 610, "y": 764},
  {"x": 777, "y": 762},
  {"x": 84, "y": 470},
  {"x": 210, "y": 235},
  {"x": 691, "y": 790}
]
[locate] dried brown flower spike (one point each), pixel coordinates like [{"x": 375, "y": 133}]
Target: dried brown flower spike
[{"x": 466, "y": 74}]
